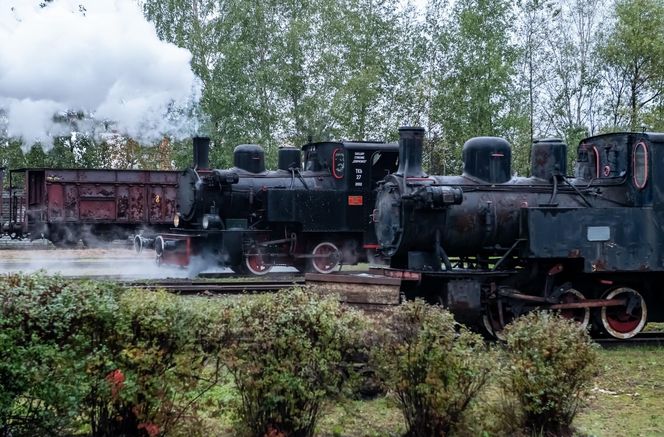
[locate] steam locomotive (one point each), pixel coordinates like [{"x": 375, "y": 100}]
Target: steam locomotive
[
  {"x": 250, "y": 219},
  {"x": 491, "y": 246}
]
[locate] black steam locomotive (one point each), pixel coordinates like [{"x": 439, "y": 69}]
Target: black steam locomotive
[
  {"x": 249, "y": 219},
  {"x": 491, "y": 246}
]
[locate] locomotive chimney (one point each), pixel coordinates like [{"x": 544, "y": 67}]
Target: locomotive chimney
[
  {"x": 410, "y": 151},
  {"x": 201, "y": 152}
]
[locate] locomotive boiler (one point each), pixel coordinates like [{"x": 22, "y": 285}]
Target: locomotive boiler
[
  {"x": 312, "y": 213},
  {"x": 491, "y": 245}
]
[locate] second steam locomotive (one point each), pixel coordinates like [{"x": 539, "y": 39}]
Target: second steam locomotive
[{"x": 491, "y": 246}]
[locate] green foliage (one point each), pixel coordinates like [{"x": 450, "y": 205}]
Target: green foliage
[
  {"x": 157, "y": 359},
  {"x": 635, "y": 52},
  {"x": 45, "y": 331},
  {"x": 435, "y": 367},
  {"x": 94, "y": 357},
  {"x": 278, "y": 73},
  {"x": 475, "y": 74},
  {"x": 551, "y": 364},
  {"x": 98, "y": 359},
  {"x": 286, "y": 357}
]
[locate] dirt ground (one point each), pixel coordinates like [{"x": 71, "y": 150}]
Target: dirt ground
[
  {"x": 114, "y": 253},
  {"x": 109, "y": 262}
]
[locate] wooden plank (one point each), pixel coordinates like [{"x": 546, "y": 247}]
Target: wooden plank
[
  {"x": 358, "y": 293},
  {"x": 352, "y": 279}
]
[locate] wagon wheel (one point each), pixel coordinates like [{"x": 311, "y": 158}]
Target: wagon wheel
[
  {"x": 159, "y": 248},
  {"x": 325, "y": 258},
  {"x": 579, "y": 315},
  {"x": 624, "y": 321},
  {"x": 138, "y": 244}
]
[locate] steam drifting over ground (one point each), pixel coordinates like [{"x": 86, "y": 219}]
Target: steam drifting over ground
[
  {"x": 101, "y": 58},
  {"x": 107, "y": 262}
]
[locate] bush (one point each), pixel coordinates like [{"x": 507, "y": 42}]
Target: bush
[
  {"x": 153, "y": 373},
  {"x": 47, "y": 327},
  {"x": 435, "y": 367},
  {"x": 94, "y": 358},
  {"x": 286, "y": 358},
  {"x": 551, "y": 364}
]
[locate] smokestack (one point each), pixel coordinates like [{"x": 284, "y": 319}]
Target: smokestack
[
  {"x": 201, "y": 152},
  {"x": 410, "y": 151}
]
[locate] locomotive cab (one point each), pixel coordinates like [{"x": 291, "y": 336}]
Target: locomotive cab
[
  {"x": 354, "y": 166},
  {"x": 621, "y": 166}
]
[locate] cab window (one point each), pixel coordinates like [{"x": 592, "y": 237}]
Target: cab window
[
  {"x": 338, "y": 163},
  {"x": 640, "y": 165}
]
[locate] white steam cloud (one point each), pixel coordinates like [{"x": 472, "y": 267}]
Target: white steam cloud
[{"x": 101, "y": 58}]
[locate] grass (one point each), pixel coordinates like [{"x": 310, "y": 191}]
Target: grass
[
  {"x": 628, "y": 398},
  {"x": 372, "y": 418}
]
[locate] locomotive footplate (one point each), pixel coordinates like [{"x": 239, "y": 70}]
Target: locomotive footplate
[{"x": 414, "y": 275}]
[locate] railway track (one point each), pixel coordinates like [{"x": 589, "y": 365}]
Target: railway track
[
  {"x": 642, "y": 339},
  {"x": 218, "y": 287}
]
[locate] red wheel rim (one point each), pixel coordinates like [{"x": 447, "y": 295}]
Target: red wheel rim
[
  {"x": 256, "y": 264},
  {"x": 622, "y": 322},
  {"x": 618, "y": 320},
  {"x": 579, "y": 315}
]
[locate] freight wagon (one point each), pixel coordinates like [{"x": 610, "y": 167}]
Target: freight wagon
[{"x": 68, "y": 205}]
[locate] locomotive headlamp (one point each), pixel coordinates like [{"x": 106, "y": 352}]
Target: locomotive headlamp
[
  {"x": 206, "y": 221},
  {"x": 176, "y": 220}
]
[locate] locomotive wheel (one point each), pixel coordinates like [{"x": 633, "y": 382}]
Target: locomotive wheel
[
  {"x": 579, "y": 315},
  {"x": 496, "y": 316},
  {"x": 257, "y": 263},
  {"x": 624, "y": 321},
  {"x": 326, "y": 257}
]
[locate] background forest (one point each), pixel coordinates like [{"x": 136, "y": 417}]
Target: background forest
[{"x": 282, "y": 72}]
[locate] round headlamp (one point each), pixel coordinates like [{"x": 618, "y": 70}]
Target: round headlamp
[
  {"x": 206, "y": 221},
  {"x": 176, "y": 220}
]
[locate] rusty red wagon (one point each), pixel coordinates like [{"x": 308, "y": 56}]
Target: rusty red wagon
[{"x": 68, "y": 205}]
